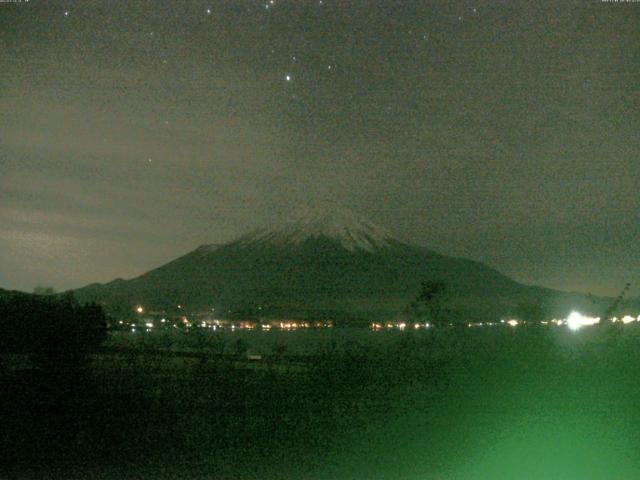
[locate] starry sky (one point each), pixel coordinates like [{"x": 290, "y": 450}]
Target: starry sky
[{"x": 504, "y": 131}]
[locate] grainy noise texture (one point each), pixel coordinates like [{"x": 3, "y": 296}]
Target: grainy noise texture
[{"x": 504, "y": 132}]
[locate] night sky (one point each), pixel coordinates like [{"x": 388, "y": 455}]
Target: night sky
[{"x": 506, "y": 132}]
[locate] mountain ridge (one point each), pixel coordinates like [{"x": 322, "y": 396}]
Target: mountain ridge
[{"x": 319, "y": 261}]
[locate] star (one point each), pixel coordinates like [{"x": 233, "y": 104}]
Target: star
[
  {"x": 66, "y": 13},
  {"x": 287, "y": 78},
  {"x": 208, "y": 11}
]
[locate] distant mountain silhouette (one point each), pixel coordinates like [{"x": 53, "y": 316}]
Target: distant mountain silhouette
[{"x": 323, "y": 262}]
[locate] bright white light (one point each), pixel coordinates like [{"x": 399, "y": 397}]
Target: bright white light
[
  {"x": 288, "y": 78},
  {"x": 628, "y": 319},
  {"x": 512, "y": 323},
  {"x": 149, "y": 325},
  {"x": 139, "y": 309},
  {"x": 577, "y": 320}
]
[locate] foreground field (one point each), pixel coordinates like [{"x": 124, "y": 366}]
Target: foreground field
[{"x": 502, "y": 403}]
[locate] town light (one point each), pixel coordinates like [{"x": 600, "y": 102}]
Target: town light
[{"x": 577, "y": 320}]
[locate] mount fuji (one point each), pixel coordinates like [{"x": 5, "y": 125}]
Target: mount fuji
[{"x": 321, "y": 263}]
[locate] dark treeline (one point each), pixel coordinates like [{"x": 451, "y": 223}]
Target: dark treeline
[
  {"x": 46, "y": 389},
  {"x": 50, "y": 329}
]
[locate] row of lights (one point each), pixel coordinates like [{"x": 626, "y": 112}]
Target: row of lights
[
  {"x": 574, "y": 321},
  {"x": 375, "y": 326},
  {"x": 289, "y": 325}
]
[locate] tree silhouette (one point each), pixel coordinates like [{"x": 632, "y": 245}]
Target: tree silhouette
[
  {"x": 50, "y": 329},
  {"x": 611, "y": 310},
  {"x": 56, "y": 334},
  {"x": 430, "y": 304},
  {"x": 41, "y": 290}
]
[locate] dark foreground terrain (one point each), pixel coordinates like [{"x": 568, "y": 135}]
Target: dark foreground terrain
[{"x": 503, "y": 403}]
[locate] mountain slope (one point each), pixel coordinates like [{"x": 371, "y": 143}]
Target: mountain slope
[{"x": 321, "y": 263}]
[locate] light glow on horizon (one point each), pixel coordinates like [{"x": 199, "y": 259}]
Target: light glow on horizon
[{"x": 576, "y": 320}]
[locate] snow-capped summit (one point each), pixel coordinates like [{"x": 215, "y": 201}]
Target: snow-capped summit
[{"x": 339, "y": 224}]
